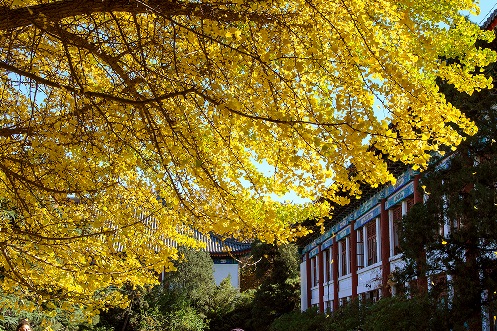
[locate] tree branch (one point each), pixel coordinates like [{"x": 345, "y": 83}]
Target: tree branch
[
  {"x": 55, "y": 11},
  {"x": 263, "y": 118},
  {"x": 10, "y": 131},
  {"x": 106, "y": 96}
]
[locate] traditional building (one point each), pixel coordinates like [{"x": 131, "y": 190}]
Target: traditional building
[
  {"x": 491, "y": 21},
  {"x": 356, "y": 255},
  {"x": 225, "y": 254}
]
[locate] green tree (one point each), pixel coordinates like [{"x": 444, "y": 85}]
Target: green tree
[
  {"x": 406, "y": 314},
  {"x": 187, "y": 300},
  {"x": 107, "y": 104},
  {"x": 279, "y": 289},
  {"x": 66, "y": 318},
  {"x": 224, "y": 299},
  {"x": 236, "y": 313},
  {"x": 463, "y": 197},
  {"x": 193, "y": 281},
  {"x": 393, "y": 313},
  {"x": 309, "y": 320},
  {"x": 183, "y": 298}
]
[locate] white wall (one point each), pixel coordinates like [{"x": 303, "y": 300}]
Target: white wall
[
  {"x": 221, "y": 271},
  {"x": 303, "y": 287}
]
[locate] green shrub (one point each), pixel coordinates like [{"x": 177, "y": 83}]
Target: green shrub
[{"x": 309, "y": 320}]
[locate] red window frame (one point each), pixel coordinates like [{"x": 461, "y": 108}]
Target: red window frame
[{"x": 372, "y": 243}]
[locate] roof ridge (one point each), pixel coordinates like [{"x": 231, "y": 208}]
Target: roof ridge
[{"x": 491, "y": 21}]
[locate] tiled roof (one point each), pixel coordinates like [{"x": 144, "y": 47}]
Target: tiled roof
[
  {"x": 491, "y": 21},
  {"x": 215, "y": 245},
  {"x": 218, "y": 247}
]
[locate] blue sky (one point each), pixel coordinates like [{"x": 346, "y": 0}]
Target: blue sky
[{"x": 486, "y": 7}]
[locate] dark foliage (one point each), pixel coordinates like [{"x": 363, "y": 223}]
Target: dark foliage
[{"x": 457, "y": 226}]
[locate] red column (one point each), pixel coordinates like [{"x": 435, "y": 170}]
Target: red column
[
  {"x": 353, "y": 257},
  {"x": 309, "y": 281},
  {"x": 335, "y": 274},
  {"x": 418, "y": 197},
  {"x": 321, "y": 279},
  {"x": 385, "y": 249}
]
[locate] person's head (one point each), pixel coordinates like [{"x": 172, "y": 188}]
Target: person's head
[{"x": 23, "y": 326}]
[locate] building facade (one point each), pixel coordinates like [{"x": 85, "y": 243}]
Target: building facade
[
  {"x": 225, "y": 254},
  {"x": 355, "y": 257}
]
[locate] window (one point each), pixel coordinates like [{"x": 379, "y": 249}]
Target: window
[
  {"x": 350, "y": 256},
  {"x": 373, "y": 296},
  {"x": 329, "y": 306},
  {"x": 343, "y": 257},
  {"x": 371, "y": 243},
  {"x": 409, "y": 203},
  {"x": 439, "y": 285},
  {"x": 441, "y": 230},
  {"x": 399, "y": 288},
  {"x": 360, "y": 248},
  {"x": 325, "y": 263},
  {"x": 456, "y": 225},
  {"x": 397, "y": 218},
  {"x": 328, "y": 264},
  {"x": 314, "y": 272},
  {"x": 370, "y": 296}
]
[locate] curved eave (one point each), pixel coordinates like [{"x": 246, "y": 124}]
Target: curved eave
[
  {"x": 230, "y": 254},
  {"x": 491, "y": 21}
]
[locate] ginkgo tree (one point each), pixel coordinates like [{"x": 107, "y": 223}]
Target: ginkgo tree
[{"x": 127, "y": 123}]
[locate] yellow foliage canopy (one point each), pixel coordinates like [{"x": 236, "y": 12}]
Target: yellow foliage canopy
[{"x": 113, "y": 108}]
